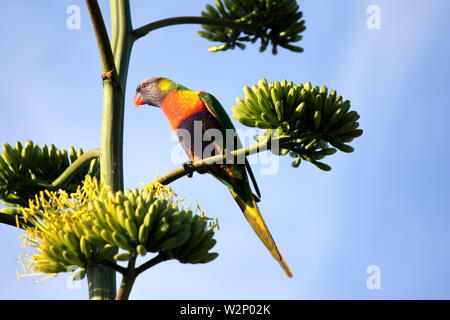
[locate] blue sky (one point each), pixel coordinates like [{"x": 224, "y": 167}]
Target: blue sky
[{"x": 386, "y": 204}]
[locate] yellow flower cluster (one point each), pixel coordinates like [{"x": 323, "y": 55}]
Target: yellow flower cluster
[
  {"x": 60, "y": 228},
  {"x": 85, "y": 227}
]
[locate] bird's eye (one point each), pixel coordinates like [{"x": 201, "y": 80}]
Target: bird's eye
[{"x": 144, "y": 85}]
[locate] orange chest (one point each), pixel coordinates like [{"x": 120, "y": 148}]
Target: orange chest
[{"x": 180, "y": 105}]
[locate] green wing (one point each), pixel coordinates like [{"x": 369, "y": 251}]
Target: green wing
[{"x": 219, "y": 112}]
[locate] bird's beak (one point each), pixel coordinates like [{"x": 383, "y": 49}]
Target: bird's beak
[{"x": 138, "y": 99}]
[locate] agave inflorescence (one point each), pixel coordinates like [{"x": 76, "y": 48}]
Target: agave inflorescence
[
  {"x": 84, "y": 228},
  {"x": 306, "y": 119},
  {"x": 27, "y": 169},
  {"x": 276, "y": 22}
]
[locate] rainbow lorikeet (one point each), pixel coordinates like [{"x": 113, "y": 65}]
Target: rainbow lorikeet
[{"x": 191, "y": 114}]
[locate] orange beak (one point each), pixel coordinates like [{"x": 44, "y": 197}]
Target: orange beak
[{"x": 138, "y": 100}]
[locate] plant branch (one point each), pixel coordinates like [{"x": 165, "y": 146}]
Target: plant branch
[
  {"x": 152, "y": 262},
  {"x": 12, "y": 220},
  {"x": 122, "y": 37},
  {"x": 114, "y": 266},
  {"x": 128, "y": 279},
  {"x": 77, "y": 165},
  {"x": 219, "y": 159},
  {"x": 142, "y": 31},
  {"x": 101, "y": 34}
]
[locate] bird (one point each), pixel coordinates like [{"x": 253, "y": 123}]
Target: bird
[{"x": 189, "y": 111}]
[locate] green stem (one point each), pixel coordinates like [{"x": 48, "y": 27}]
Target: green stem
[
  {"x": 127, "y": 281},
  {"x": 77, "y": 165},
  {"x": 131, "y": 273},
  {"x": 142, "y": 31},
  {"x": 152, "y": 262},
  {"x": 122, "y": 39},
  {"x": 101, "y": 34},
  {"x": 102, "y": 282}
]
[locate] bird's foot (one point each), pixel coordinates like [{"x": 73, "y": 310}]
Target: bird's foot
[{"x": 189, "y": 168}]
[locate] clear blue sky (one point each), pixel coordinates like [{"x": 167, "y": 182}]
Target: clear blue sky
[{"x": 387, "y": 204}]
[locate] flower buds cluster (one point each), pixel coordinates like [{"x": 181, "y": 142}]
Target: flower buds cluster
[
  {"x": 26, "y": 169},
  {"x": 307, "y": 119},
  {"x": 150, "y": 221},
  {"x": 86, "y": 227},
  {"x": 276, "y": 22}
]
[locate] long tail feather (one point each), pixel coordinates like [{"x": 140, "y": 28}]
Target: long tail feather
[{"x": 256, "y": 221}]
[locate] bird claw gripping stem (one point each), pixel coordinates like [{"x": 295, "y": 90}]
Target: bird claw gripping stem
[{"x": 188, "y": 166}]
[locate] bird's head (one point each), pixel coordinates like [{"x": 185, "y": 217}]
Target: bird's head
[{"x": 153, "y": 91}]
